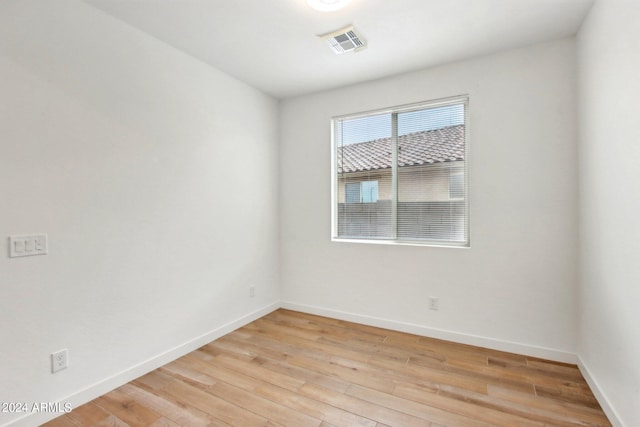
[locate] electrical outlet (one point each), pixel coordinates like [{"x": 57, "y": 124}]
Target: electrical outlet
[
  {"x": 252, "y": 291},
  {"x": 434, "y": 303},
  {"x": 59, "y": 360}
]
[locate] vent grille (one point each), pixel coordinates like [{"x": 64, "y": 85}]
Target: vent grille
[{"x": 344, "y": 40}]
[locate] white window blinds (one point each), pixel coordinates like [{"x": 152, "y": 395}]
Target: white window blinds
[{"x": 400, "y": 174}]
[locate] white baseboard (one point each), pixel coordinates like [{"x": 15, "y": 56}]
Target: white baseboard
[
  {"x": 96, "y": 390},
  {"x": 600, "y": 396},
  {"x": 480, "y": 341}
]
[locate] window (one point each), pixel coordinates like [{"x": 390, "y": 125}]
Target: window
[
  {"x": 399, "y": 175},
  {"x": 361, "y": 192},
  {"x": 456, "y": 185},
  {"x": 352, "y": 192}
]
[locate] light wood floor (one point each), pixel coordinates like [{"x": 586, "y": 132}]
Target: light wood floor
[{"x": 294, "y": 369}]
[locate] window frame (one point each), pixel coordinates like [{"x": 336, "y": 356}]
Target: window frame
[
  {"x": 361, "y": 193},
  {"x": 442, "y": 102}
]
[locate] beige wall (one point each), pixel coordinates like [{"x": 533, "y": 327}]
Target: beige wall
[{"x": 416, "y": 183}]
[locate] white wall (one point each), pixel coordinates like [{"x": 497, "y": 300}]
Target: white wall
[
  {"x": 515, "y": 287},
  {"x": 609, "y": 90},
  {"x": 155, "y": 177}
]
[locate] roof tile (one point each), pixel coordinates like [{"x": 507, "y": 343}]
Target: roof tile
[{"x": 419, "y": 148}]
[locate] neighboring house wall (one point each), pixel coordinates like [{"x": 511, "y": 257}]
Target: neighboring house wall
[
  {"x": 427, "y": 183},
  {"x": 418, "y": 183}
]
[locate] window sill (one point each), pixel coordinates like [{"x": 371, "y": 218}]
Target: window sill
[{"x": 431, "y": 243}]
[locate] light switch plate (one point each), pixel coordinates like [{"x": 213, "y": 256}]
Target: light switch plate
[{"x": 27, "y": 245}]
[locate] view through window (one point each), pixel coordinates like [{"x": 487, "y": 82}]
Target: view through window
[{"x": 400, "y": 174}]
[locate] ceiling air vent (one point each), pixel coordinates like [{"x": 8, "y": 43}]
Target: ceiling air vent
[{"x": 344, "y": 40}]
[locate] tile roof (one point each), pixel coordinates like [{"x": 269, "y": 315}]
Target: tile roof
[{"x": 414, "y": 149}]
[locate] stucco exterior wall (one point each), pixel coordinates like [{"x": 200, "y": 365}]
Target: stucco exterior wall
[{"x": 427, "y": 183}]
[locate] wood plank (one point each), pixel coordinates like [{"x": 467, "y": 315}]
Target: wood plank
[
  {"x": 362, "y": 407},
  {"x": 516, "y": 377},
  {"x": 558, "y": 409},
  {"x": 113, "y": 421},
  {"x": 156, "y": 382},
  {"x": 164, "y": 422},
  {"x": 165, "y": 407},
  {"x": 429, "y": 413},
  {"x": 88, "y": 415},
  {"x": 297, "y": 369},
  {"x": 570, "y": 393},
  {"x": 309, "y": 348},
  {"x": 126, "y": 408},
  {"x": 63, "y": 421},
  {"x": 360, "y": 375},
  {"x": 314, "y": 408},
  {"x": 256, "y": 371},
  {"x": 322, "y": 330},
  {"x": 275, "y": 412},
  {"x": 440, "y": 376},
  {"x": 306, "y": 375},
  {"x": 188, "y": 374},
  {"x": 508, "y": 408},
  {"x": 186, "y": 395}
]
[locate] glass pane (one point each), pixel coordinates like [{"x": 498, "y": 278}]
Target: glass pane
[
  {"x": 369, "y": 191},
  {"x": 431, "y": 155},
  {"x": 456, "y": 185},
  {"x": 363, "y": 157},
  {"x": 352, "y": 192}
]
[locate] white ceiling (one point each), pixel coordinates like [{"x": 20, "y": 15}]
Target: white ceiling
[{"x": 273, "y": 44}]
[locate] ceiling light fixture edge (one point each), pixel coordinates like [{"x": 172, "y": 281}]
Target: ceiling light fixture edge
[{"x": 327, "y": 5}]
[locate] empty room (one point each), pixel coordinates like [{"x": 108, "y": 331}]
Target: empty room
[{"x": 319, "y": 213}]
